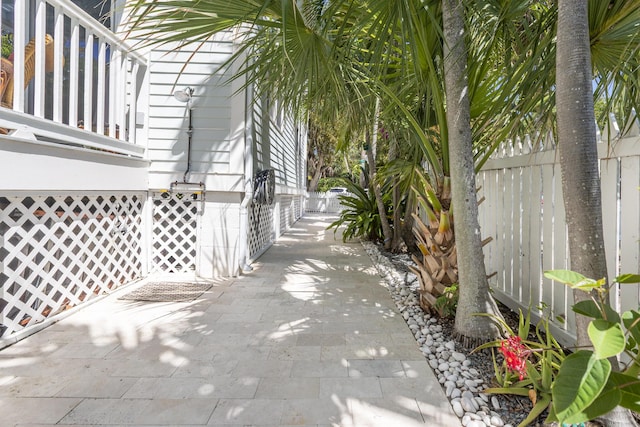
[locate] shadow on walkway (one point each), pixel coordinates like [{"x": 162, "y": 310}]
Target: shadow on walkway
[{"x": 310, "y": 337}]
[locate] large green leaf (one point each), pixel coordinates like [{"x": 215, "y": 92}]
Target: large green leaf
[
  {"x": 629, "y": 386},
  {"x": 609, "y": 398},
  {"x": 567, "y": 277},
  {"x": 574, "y": 280},
  {"x": 607, "y": 338},
  {"x": 628, "y": 278},
  {"x": 587, "y": 308},
  {"x": 631, "y": 320},
  {"x": 580, "y": 380}
]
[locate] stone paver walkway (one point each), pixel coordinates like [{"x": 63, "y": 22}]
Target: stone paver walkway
[{"x": 310, "y": 337}]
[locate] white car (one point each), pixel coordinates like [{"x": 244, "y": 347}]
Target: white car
[{"x": 337, "y": 190}]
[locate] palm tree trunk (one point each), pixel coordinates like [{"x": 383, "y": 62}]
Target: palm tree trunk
[
  {"x": 473, "y": 287},
  {"x": 397, "y": 241},
  {"x": 578, "y": 149},
  {"x": 579, "y": 162},
  {"x": 377, "y": 191}
]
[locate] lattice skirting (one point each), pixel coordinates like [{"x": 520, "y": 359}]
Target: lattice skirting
[
  {"x": 287, "y": 213},
  {"x": 260, "y": 228},
  {"x": 57, "y": 251},
  {"x": 175, "y": 224}
]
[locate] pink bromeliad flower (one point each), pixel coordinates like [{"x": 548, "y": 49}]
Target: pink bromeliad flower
[{"x": 515, "y": 354}]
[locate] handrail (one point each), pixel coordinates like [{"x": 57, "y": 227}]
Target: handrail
[
  {"x": 103, "y": 102},
  {"x": 99, "y": 30},
  {"x": 34, "y": 128}
]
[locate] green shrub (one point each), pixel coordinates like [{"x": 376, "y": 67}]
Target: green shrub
[
  {"x": 324, "y": 184},
  {"x": 360, "y": 215}
]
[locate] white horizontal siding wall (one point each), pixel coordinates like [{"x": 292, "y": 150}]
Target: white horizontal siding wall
[
  {"x": 217, "y": 140},
  {"x": 280, "y": 144}
]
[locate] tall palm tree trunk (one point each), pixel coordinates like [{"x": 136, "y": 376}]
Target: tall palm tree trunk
[
  {"x": 578, "y": 149},
  {"x": 579, "y": 162},
  {"x": 371, "y": 137},
  {"x": 473, "y": 287}
]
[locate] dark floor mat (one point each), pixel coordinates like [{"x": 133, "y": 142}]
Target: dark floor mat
[{"x": 167, "y": 292}]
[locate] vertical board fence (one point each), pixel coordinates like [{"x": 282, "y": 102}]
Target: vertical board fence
[
  {"x": 523, "y": 211},
  {"x": 327, "y": 202}
]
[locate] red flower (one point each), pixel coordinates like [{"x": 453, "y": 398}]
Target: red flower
[{"x": 515, "y": 355}]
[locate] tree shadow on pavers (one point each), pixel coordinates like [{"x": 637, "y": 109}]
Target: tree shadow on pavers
[{"x": 216, "y": 358}]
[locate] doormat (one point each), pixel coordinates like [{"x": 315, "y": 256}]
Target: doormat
[{"x": 167, "y": 292}]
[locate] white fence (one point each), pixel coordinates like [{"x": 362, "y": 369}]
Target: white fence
[
  {"x": 323, "y": 202},
  {"x": 524, "y": 213}
]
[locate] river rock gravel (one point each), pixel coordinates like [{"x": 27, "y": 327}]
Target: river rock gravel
[{"x": 462, "y": 374}]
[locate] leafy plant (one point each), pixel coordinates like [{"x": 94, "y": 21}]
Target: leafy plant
[
  {"x": 447, "y": 303},
  {"x": 359, "y": 215},
  {"x": 7, "y": 45},
  {"x": 586, "y": 386},
  {"x": 324, "y": 184},
  {"x": 530, "y": 364}
]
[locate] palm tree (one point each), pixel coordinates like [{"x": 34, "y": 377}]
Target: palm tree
[
  {"x": 328, "y": 51},
  {"x": 579, "y": 159},
  {"x": 358, "y": 52},
  {"x": 474, "y": 296}
]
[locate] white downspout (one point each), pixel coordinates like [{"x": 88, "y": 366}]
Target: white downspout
[{"x": 243, "y": 256}]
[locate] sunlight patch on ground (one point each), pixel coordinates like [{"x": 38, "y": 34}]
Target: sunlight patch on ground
[
  {"x": 371, "y": 352},
  {"x": 289, "y": 329},
  {"x": 17, "y": 361},
  {"x": 170, "y": 358},
  {"x": 399, "y": 412},
  {"x": 345, "y": 250},
  {"x": 206, "y": 389}
]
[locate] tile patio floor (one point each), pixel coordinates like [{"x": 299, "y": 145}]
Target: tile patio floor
[{"x": 310, "y": 337}]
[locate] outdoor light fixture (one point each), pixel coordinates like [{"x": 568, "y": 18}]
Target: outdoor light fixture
[{"x": 183, "y": 95}]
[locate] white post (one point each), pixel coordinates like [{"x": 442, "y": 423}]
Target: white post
[
  {"x": 39, "y": 81},
  {"x": 88, "y": 81},
  {"x": 19, "y": 43},
  {"x": 101, "y": 88},
  {"x": 74, "y": 72},
  {"x": 58, "y": 64}
]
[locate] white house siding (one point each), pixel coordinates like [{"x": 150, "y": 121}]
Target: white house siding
[
  {"x": 214, "y": 140},
  {"x": 231, "y": 141},
  {"x": 280, "y": 145}
]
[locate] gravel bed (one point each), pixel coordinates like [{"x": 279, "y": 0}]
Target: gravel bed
[{"x": 463, "y": 376}]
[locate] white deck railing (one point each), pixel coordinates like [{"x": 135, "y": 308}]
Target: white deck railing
[{"x": 52, "y": 83}]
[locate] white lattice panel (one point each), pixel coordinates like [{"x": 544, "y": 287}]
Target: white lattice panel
[
  {"x": 175, "y": 225},
  {"x": 286, "y": 213},
  {"x": 261, "y": 231},
  {"x": 297, "y": 207},
  {"x": 57, "y": 251}
]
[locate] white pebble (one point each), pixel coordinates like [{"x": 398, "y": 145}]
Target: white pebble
[
  {"x": 495, "y": 402},
  {"x": 458, "y": 356},
  {"x": 469, "y": 405},
  {"x": 497, "y": 421},
  {"x": 457, "y": 408}
]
